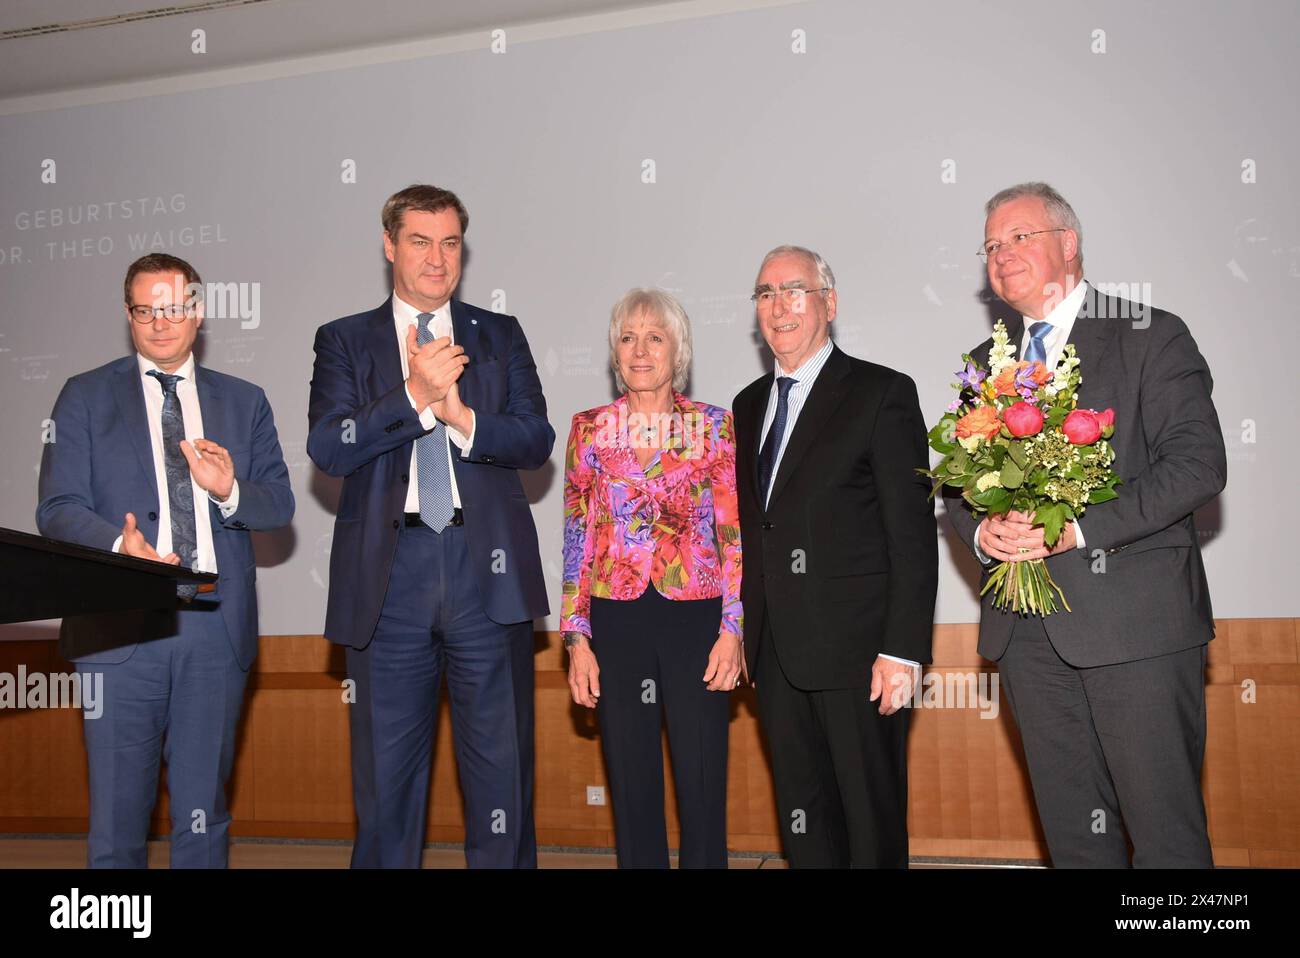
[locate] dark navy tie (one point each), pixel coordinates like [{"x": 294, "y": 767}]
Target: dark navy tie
[
  {"x": 1036, "y": 350},
  {"x": 767, "y": 455},
  {"x": 180, "y": 492},
  {"x": 431, "y": 466}
]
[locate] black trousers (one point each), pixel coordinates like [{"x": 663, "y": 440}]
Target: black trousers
[
  {"x": 840, "y": 769},
  {"x": 1112, "y": 748},
  {"x": 652, "y": 653}
]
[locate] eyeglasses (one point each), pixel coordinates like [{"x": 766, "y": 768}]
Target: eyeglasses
[
  {"x": 1017, "y": 241},
  {"x": 789, "y": 296},
  {"x": 175, "y": 313}
]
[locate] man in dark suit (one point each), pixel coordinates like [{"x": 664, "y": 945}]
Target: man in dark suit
[
  {"x": 841, "y": 568},
  {"x": 1110, "y": 698},
  {"x": 429, "y": 408},
  {"x": 128, "y": 472}
]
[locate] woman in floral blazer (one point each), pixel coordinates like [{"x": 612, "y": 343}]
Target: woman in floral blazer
[{"x": 652, "y": 585}]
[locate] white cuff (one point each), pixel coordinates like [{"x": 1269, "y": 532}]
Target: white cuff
[
  {"x": 117, "y": 545},
  {"x": 464, "y": 443},
  {"x": 427, "y": 419},
  {"x": 232, "y": 502},
  {"x": 894, "y": 658},
  {"x": 1079, "y": 541},
  {"x": 980, "y": 554}
]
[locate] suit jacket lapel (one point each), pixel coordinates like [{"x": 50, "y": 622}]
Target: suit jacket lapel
[
  {"x": 1091, "y": 334},
  {"x": 757, "y": 410},
  {"x": 383, "y": 346},
  {"x": 826, "y": 394},
  {"x": 210, "y": 407},
  {"x": 465, "y": 333},
  {"x": 129, "y": 393},
  {"x": 215, "y": 423}
]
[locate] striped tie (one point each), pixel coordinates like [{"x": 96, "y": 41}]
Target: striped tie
[{"x": 431, "y": 466}]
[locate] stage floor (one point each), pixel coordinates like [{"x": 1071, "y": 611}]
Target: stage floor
[{"x": 63, "y": 852}]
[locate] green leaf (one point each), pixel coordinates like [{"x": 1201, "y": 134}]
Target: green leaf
[
  {"x": 995, "y": 500},
  {"x": 1102, "y": 495},
  {"x": 1017, "y": 453},
  {"x": 942, "y": 435},
  {"x": 1052, "y": 519},
  {"x": 1012, "y": 475}
]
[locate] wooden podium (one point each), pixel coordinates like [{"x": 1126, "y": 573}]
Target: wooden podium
[{"x": 49, "y": 578}]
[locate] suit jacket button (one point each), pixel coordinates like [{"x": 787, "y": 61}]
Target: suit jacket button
[
  {"x": 153, "y": 517},
  {"x": 396, "y": 523},
  {"x": 405, "y": 477},
  {"x": 767, "y": 526},
  {"x": 489, "y": 458}
]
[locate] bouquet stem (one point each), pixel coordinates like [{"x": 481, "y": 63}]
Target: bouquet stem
[{"x": 1025, "y": 588}]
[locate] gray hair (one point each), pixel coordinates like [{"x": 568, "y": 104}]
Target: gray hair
[
  {"x": 1059, "y": 211},
  {"x": 824, "y": 275},
  {"x": 660, "y": 305}
]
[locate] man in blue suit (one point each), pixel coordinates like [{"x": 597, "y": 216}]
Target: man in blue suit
[
  {"x": 428, "y": 408},
  {"x": 128, "y": 471}
]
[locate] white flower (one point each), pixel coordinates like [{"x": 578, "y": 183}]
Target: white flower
[
  {"x": 1066, "y": 365},
  {"x": 969, "y": 443},
  {"x": 990, "y": 480},
  {"x": 1003, "y": 353}
]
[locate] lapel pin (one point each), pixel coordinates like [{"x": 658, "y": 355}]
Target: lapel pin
[{"x": 473, "y": 322}]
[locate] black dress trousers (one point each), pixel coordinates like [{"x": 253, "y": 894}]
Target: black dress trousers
[{"x": 652, "y": 653}]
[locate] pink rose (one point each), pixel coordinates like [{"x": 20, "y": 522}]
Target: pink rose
[
  {"x": 1082, "y": 427},
  {"x": 1022, "y": 419},
  {"x": 1106, "y": 419}
]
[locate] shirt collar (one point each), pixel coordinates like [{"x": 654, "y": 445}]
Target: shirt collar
[
  {"x": 1066, "y": 310},
  {"x": 186, "y": 370},
  {"x": 407, "y": 315},
  {"x": 808, "y": 368}
]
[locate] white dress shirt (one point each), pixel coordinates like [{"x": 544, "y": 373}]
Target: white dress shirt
[
  {"x": 404, "y": 317},
  {"x": 188, "y": 395},
  {"x": 1054, "y": 343},
  {"x": 804, "y": 377}
]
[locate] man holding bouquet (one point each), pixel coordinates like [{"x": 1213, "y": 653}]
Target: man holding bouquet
[{"x": 1109, "y": 695}]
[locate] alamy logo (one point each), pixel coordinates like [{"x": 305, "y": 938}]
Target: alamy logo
[
  {"x": 241, "y": 301},
  {"x": 57, "y": 690},
  {"x": 103, "y": 911}
]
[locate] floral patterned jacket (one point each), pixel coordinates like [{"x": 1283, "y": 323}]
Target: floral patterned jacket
[{"x": 675, "y": 524}]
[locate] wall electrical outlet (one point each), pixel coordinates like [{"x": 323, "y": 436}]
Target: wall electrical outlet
[{"x": 595, "y": 794}]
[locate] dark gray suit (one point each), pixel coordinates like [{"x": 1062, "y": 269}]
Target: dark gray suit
[{"x": 1110, "y": 697}]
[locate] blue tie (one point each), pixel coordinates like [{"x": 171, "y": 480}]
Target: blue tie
[
  {"x": 180, "y": 493},
  {"x": 767, "y": 455},
  {"x": 1036, "y": 351},
  {"x": 431, "y": 466}
]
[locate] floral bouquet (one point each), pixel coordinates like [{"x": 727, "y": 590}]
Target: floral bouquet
[{"x": 1013, "y": 439}]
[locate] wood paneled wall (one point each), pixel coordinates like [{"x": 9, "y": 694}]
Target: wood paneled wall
[{"x": 970, "y": 796}]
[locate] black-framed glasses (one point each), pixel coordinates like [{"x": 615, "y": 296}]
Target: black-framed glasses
[
  {"x": 1017, "y": 240},
  {"x": 789, "y": 295},
  {"x": 175, "y": 313}
]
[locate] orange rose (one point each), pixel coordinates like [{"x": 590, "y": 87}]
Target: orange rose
[
  {"x": 1041, "y": 374},
  {"x": 981, "y": 421},
  {"x": 1005, "y": 382}
]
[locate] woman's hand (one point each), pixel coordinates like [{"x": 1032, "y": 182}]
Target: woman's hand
[
  {"x": 724, "y": 664},
  {"x": 584, "y": 673}
]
